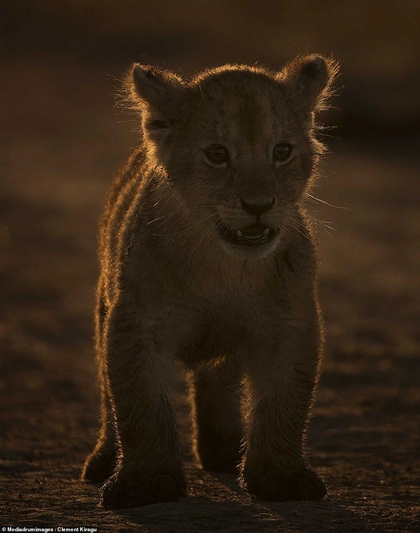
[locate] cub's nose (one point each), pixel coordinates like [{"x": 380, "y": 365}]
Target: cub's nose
[{"x": 258, "y": 207}]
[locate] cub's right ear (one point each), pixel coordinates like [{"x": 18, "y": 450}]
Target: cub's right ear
[{"x": 160, "y": 96}]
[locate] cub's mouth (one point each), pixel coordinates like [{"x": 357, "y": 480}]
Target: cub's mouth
[{"x": 256, "y": 234}]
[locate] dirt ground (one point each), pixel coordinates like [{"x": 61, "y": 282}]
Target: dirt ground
[{"x": 62, "y": 148}]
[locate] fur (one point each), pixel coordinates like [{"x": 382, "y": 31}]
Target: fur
[{"x": 244, "y": 319}]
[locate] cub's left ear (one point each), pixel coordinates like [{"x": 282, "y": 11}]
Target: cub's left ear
[{"x": 309, "y": 80}]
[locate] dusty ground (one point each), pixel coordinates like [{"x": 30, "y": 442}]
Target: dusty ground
[{"x": 62, "y": 148}]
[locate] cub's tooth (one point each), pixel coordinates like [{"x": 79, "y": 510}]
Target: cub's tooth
[
  {"x": 266, "y": 231},
  {"x": 239, "y": 233}
]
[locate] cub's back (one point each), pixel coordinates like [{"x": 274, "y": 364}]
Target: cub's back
[{"x": 119, "y": 199}]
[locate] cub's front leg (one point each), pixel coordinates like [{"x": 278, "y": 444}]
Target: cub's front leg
[
  {"x": 139, "y": 372},
  {"x": 281, "y": 376}
]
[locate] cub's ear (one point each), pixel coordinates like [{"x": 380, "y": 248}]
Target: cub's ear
[
  {"x": 160, "y": 97},
  {"x": 309, "y": 80}
]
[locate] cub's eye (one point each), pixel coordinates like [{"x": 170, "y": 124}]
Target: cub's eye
[
  {"x": 282, "y": 153},
  {"x": 217, "y": 155}
]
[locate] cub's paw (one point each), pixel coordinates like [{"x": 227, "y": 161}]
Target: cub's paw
[
  {"x": 99, "y": 466},
  {"x": 276, "y": 484},
  {"x": 135, "y": 489}
]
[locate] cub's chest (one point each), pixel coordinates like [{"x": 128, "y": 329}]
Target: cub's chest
[{"x": 233, "y": 326}]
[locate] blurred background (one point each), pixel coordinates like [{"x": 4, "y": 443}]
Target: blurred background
[{"x": 62, "y": 141}]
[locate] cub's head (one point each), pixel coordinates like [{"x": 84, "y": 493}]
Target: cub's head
[{"x": 237, "y": 144}]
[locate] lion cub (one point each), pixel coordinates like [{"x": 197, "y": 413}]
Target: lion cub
[{"x": 207, "y": 257}]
